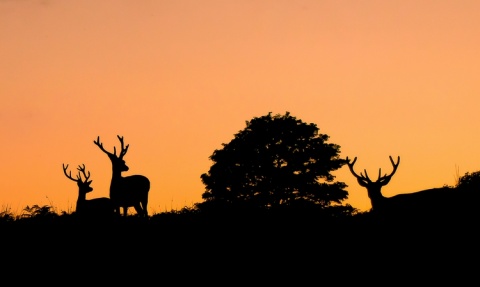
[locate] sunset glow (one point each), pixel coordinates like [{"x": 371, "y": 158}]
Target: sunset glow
[{"x": 178, "y": 78}]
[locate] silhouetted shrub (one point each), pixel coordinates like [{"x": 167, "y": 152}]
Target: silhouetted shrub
[
  {"x": 36, "y": 212},
  {"x": 6, "y": 216},
  {"x": 469, "y": 181}
]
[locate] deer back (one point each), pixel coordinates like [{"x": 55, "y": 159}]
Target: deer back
[
  {"x": 130, "y": 189},
  {"x": 427, "y": 202}
]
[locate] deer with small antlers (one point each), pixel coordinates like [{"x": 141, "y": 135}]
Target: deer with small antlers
[
  {"x": 425, "y": 202},
  {"x": 129, "y": 190},
  {"x": 96, "y": 207}
]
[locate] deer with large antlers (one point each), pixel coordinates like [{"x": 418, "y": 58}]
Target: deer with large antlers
[
  {"x": 97, "y": 207},
  {"x": 129, "y": 190},
  {"x": 426, "y": 202}
]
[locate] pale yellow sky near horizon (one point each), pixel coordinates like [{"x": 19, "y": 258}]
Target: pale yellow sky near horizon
[{"x": 179, "y": 78}]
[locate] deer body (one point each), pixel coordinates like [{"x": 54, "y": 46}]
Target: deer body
[
  {"x": 128, "y": 191},
  {"x": 424, "y": 201},
  {"x": 429, "y": 202},
  {"x": 95, "y": 208}
]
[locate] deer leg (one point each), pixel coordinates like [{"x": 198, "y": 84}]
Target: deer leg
[
  {"x": 144, "y": 208},
  {"x": 139, "y": 209}
]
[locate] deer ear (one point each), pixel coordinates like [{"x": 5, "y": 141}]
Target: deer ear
[{"x": 88, "y": 182}]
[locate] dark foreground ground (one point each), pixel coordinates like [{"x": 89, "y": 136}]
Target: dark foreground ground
[{"x": 239, "y": 250}]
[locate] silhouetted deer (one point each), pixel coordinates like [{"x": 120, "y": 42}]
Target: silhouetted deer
[
  {"x": 96, "y": 207},
  {"x": 430, "y": 202},
  {"x": 126, "y": 191}
]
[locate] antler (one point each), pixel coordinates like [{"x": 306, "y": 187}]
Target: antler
[
  {"x": 82, "y": 169},
  {"x": 70, "y": 174},
  {"x": 386, "y": 178},
  {"x": 364, "y": 179},
  {"x": 79, "y": 177},
  {"x": 123, "y": 148},
  {"x": 100, "y": 145}
]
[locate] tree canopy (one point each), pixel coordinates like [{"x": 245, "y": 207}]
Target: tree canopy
[{"x": 275, "y": 161}]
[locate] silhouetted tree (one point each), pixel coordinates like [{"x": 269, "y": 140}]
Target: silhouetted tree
[{"x": 276, "y": 161}]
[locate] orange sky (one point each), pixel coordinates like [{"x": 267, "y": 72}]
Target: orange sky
[{"x": 179, "y": 78}]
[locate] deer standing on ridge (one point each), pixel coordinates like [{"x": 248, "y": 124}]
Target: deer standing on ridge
[
  {"x": 96, "y": 207},
  {"x": 426, "y": 202},
  {"x": 129, "y": 190}
]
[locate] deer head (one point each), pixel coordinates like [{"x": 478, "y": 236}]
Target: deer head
[
  {"x": 83, "y": 185},
  {"x": 373, "y": 187},
  {"x": 118, "y": 164}
]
